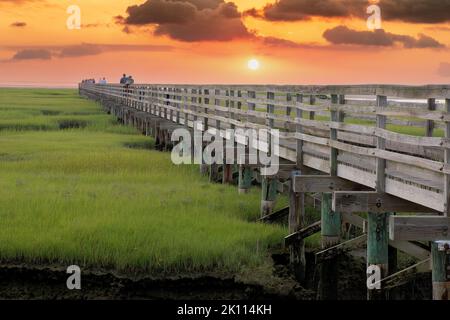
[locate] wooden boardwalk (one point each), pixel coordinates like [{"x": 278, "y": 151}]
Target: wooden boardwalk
[{"x": 375, "y": 149}]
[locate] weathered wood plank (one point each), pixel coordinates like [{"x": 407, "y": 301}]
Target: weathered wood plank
[
  {"x": 343, "y": 247},
  {"x": 420, "y": 228},
  {"x": 303, "y": 233},
  {"x": 275, "y": 215},
  {"x": 411, "y": 249},
  {"x": 355, "y": 220},
  {"x": 318, "y": 183},
  {"x": 404, "y": 276},
  {"x": 372, "y": 201}
]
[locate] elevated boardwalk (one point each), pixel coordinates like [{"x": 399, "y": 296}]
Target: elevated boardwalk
[{"x": 376, "y": 149}]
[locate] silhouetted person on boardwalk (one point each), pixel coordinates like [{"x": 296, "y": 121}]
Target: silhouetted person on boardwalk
[{"x": 124, "y": 79}]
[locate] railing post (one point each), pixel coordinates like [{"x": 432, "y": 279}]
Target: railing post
[
  {"x": 298, "y": 126},
  {"x": 312, "y": 101},
  {"x": 269, "y": 184},
  {"x": 381, "y": 144},
  {"x": 430, "y": 123},
  {"x": 336, "y": 117}
]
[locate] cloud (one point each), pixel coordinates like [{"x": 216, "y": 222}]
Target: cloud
[
  {"x": 293, "y": 10},
  {"x": 415, "y": 11},
  {"x": 189, "y": 20},
  {"x": 344, "y": 35},
  {"x": 277, "y": 42},
  {"x": 18, "y": 24},
  {"x": 444, "y": 69},
  {"x": 81, "y": 50},
  {"x": 30, "y": 54}
]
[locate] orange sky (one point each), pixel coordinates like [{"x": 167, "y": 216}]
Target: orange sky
[{"x": 161, "y": 59}]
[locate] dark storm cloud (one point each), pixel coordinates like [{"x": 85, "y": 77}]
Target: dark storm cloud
[
  {"x": 189, "y": 20},
  {"x": 415, "y": 11},
  {"x": 344, "y": 35}
]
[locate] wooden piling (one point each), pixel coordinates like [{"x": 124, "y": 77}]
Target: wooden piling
[
  {"x": 378, "y": 249},
  {"x": 245, "y": 179},
  {"x": 331, "y": 235},
  {"x": 440, "y": 255},
  {"x": 204, "y": 169},
  {"x": 227, "y": 174},
  {"x": 213, "y": 172},
  {"x": 268, "y": 195},
  {"x": 296, "y": 222}
]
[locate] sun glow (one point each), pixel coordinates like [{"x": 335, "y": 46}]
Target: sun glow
[{"x": 253, "y": 64}]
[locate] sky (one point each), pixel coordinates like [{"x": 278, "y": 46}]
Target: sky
[{"x": 59, "y": 42}]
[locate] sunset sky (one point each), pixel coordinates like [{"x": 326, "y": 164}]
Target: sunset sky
[{"x": 211, "y": 41}]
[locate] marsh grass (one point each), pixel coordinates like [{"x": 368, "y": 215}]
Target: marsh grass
[{"x": 97, "y": 196}]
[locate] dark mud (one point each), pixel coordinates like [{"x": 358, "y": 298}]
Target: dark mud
[
  {"x": 273, "y": 280},
  {"x": 26, "y": 282}
]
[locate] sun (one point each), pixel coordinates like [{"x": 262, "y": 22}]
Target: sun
[{"x": 253, "y": 64}]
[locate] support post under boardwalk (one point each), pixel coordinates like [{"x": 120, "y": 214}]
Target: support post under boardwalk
[
  {"x": 245, "y": 179},
  {"x": 213, "y": 172},
  {"x": 227, "y": 173},
  {"x": 378, "y": 249},
  {"x": 296, "y": 222},
  {"x": 331, "y": 235},
  {"x": 440, "y": 256},
  {"x": 268, "y": 195},
  {"x": 203, "y": 169}
]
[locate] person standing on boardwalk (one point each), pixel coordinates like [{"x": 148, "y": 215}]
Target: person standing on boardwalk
[
  {"x": 130, "y": 80},
  {"x": 124, "y": 79}
]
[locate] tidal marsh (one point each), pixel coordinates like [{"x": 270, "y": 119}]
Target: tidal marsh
[{"x": 82, "y": 194}]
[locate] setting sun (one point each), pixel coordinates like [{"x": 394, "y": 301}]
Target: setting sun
[{"x": 253, "y": 64}]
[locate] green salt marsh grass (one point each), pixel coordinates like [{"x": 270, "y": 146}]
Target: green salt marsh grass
[{"x": 81, "y": 195}]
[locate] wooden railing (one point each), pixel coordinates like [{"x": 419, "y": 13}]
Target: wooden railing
[{"x": 394, "y": 139}]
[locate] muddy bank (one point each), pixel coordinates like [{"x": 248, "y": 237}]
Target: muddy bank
[
  {"x": 272, "y": 280},
  {"x": 49, "y": 282}
]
